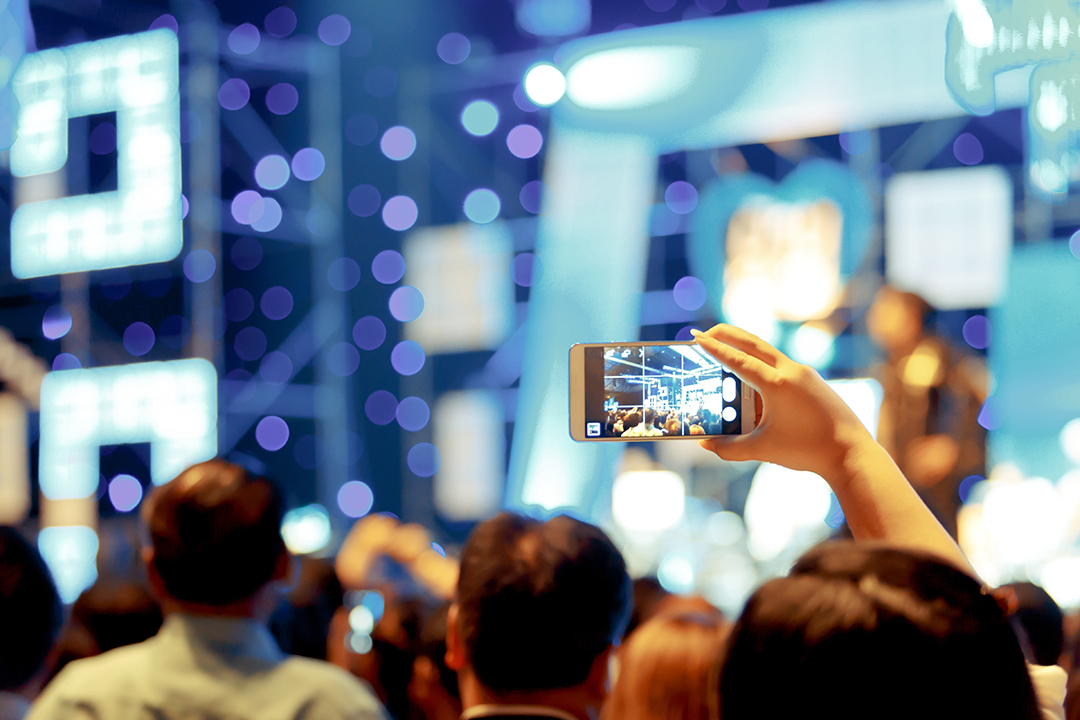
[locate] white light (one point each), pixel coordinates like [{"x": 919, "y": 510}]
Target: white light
[
  {"x": 743, "y": 307},
  {"x": 359, "y": 643},
  {"x": 173, "y": 405},
  {"x": 306, "y": 530},
  {"x": 1061, "y": 578},
  {"x": 813, "y": 345},
  {"x": 648, "y": 501},
  {"x": 544, "y": 84},
  {"x": 726, "y": 528},
  {"x": 361, "y": 620},
  {"x": 976, "y": 22},
  {"x": 633, "y": 77},
  {"x": 1025, "y": 520},
  {"x": 1070, "y": 440},
  {"x": 137, "y": 76},
  {"x": 71, "y": 554},
  {"x": 785, "y": 511},
  {"x": 676, "y": 572},
  {"x": 863, "y": 396},
  {"x": 1052, "y": 108}
]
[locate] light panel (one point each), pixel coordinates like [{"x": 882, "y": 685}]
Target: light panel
[
  {"x": 137, "y": 76},
  {"x": 171, "y": 405}
]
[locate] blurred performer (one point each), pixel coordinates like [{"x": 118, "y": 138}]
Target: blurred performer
[{"x": 933, "y": 394}]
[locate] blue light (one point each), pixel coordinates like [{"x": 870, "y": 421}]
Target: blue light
[
  {"x": 355, "y": 499},
  {"x": 453, "y": 48},
  {"x": 270, "y": 217},
  {"x": 406, "y": 303},
  {"x": 424, "y": 459},
  {"x": 244, "y": 39},
  {"x": 398, "y": 143},
  {"x": 71, "y": 554},
  {"x": 554, "y": 18},
  {"x": 272, "y": 433},
  {"x": 480, "y": 118},
  {"x": 272, "y": 172},
  {"x": 407, "y": 357},
  {"x": 308, "y": 164},
  {"x": 125, "y": 493},
  {"x": 199, "y": 266},
  {"x": 482, "y": 206},
  {"x": 413, "y": 414},
  {"x": 56, "y": 323}
]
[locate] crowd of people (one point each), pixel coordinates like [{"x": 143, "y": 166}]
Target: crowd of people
[
  {"x": 647, "y": 422},
  {"x": 540, "y": 618}
]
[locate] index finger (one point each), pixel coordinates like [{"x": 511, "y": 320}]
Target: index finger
[
  {"x": 749, "y": 368},
  {"x": 747, "y": 342}
]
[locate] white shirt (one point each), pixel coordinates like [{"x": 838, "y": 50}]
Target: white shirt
[{"x": 203, "y": 668}]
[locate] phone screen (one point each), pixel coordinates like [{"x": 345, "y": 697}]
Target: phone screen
[{"x": 662, "y": 390}]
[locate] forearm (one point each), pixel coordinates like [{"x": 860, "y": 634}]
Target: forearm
[{"x": 880, "y": 504}]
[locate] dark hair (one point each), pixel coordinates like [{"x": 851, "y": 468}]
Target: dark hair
[
  {"x": 216, "y": 533},
  {"x": 874, "y": 632},
  {"x": 539, "y": 602},
  {"x": 1042, "y": 622},
  {"x": 30, "y": 610}
]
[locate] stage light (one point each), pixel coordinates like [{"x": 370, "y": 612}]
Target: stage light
[
  {"x": 412, "y": 414},
  {"x": 424, "y": 459},
  {"x": 173, "y": 405},
  {"x": 480, "y": 118},
  {"x": 1025, "y": 519},
  {"x": 272, "y": 433},
  {"x": 137, "y": 77},
  {"x": 407, "y": 357},
  {"x": 648, "y": 501},
  {"x": 524, "y": 141},
  {"x": 632, "y": 77},
  {"x": 381, "y": 407},
  {"x": 71, "y": 554},
  {"x": 398, "y": 143},
  {"x": 482, "y": 206},
  {"x": 453, "y": 48},
  {"x": 544, "y": 84},
  {"x": 399, "y": 213},
  {"x": 355, "y": 499},
  {"x": 306, "y": 530}
]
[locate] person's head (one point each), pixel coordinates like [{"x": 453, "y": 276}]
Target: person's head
[
  {"x": 215, "y": 535},
  {"x": 631, "y": 420},
  {"x": 650, "y": 416},
  {"x": 539, "y": 605},
  {"x": 669, "y": 667},
  {"x": 896, "y": 319},
  {"x": 856, "y": 632},
  {"x": 1041, "y": 620},
  {"x": 30, "y": 611}
]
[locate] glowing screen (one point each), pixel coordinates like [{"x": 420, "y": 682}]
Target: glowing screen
[
  {"x": 171, "y": 405},
  {"x": 137, "y": 76}
]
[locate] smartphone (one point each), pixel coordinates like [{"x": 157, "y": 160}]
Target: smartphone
[{"x": 655, "y": 391}]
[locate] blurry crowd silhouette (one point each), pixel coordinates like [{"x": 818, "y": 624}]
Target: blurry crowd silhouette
[{"x": 539, "y": 618}]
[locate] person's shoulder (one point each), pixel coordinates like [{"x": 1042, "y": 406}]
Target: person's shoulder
[
  {"x": 338, "y": 687},
  {"x": 90, "y": 679}
]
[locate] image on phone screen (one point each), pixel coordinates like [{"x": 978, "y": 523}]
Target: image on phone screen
[{"x": 661, "y": 390}]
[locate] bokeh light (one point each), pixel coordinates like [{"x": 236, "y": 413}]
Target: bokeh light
[
  {"x": 524, "y": 141},
  {"x": 978, "y": 333},
  {"x": 308, "y": 164},
  {"x": 369, "y": 332},
  {"x": 139, "y": 339},
  {"x": 250, "y": 343},
  {"x": 275, "y": 368},
  {"x": 56, "y": 323},
  {"x": 238, "y": 305},
  {"x": 400, "y": 213},
  {"x": 361, "y": 129},
  {"x": 380, "y": 407},
  {"x": 342, "y": 359},
  {"x": 967, "y": 485},
  {"x": 525, "y": 269},
  {"x": 406, "y": 303},
  {"x": 280, "y": 22},
  {"x": 246, "y": 253},
  {"x": 856, "y": 142},
  {"x": 355, "y": 499},
  {"x": 185, "y": 206},
  {"x": 407, "y": 357},
  {"x": 1074, "y": 244},
  {"x": 103, "y": 139},
  {"x": 343, "y": 274},
  {"x": 424, "y": 459},
  {"x": 681, "y": 197},
  {"x": 522, "y": 100},
  {"x": 272, "y": 433},
  {"x": 453, "y": 48},
  {"x": 167, "y": 22},
  {"x": 544, "y": 84},
  {"x": 272, "y": 172},
  {"x": 968, "y": 149},
  {"x": 689, "y": 293},
  {"x": 244, "y": 39},
  {"x": 1070, "y": 440},
  {"x": 380, "y": 81},
  {"x": 364, "y": 200},
  {"x": 199, "y": 266},
  {"x": 532, "y": 195},
  {"x": 989, "y": 416},
  {"x": 66, "y": 361},
  {"x": 246, "y": 206},
  {"x": 282, "y": 98},
  {"x": 334, "y": 29},
  {"x": 234, "y": 94},
  {"x": 306, "y": 529},
  {"x": 270, "y": 217},
  {"x": 125, "y": 493},
  {"x": 398, "y": 143},
  {"x": 413, "y": 414},
  {"x": 276, "y": 303},
  {"x": 482, "y": 206},
  {"x": 480, "y": 118}
]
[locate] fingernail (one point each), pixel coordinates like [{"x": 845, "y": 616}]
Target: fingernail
[{"x": 695, "y": 332}]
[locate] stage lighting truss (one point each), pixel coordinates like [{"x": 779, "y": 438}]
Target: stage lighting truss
[{"x": 137, "y": 77}]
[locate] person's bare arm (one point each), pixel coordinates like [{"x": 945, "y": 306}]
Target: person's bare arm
[{"x": 806, "y": 426}]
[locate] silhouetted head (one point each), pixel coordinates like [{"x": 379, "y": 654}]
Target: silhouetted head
[{"x": 30, "y": 610}]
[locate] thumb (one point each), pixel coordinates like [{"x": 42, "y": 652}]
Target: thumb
[{"x": 739, "y": 448}]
